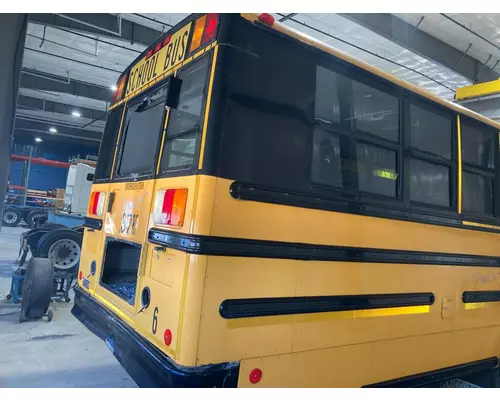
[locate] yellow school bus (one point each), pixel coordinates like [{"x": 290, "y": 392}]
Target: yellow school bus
[{"x": 268, "y": 211}]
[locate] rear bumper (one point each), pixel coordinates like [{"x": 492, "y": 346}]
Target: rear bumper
[{"x": 147, "y": 365}]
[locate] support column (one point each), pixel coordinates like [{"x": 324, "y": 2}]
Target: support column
[{"x": 13, "y": 35}]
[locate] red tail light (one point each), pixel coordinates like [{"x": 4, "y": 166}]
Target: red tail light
[
  {"x": 255, "y": 376},
  {"x": 96, "y": 203},
  {"x": 170, "y": 207},
  {"x": 210, "y": 28}
]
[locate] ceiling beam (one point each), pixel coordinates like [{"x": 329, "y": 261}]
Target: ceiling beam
[
  {"x": 41, "y": 127},
  {"x": 28, "y": 137},
  {"x": 423, "y": 44},
  {"x": 33, "y": 79},
  {"x": 102, "y": 25},
  {"x": 33, "y": 103}
]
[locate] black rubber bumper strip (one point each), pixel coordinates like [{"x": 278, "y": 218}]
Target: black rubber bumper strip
[
  {"x": 263, "y": 307},
  {"x": 147, "y": 365},
  {"x": 481, "y": 296},
  {"x": 433, "y": 378},
  {"x": 92, "y": 223},
  {"x": 234, "y": 247}
]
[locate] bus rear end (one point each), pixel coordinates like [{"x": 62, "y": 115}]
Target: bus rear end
[{"x": 258, "y": 226}]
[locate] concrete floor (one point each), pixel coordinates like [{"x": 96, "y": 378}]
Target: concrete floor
[{"x": 61, "y": 353}]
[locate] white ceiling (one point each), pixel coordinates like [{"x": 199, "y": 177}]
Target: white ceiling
[
  {"x": 107, "y": 61},
  {"x": 486, "y": 25}
]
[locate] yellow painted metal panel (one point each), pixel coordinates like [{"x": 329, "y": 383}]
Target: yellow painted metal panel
[
  {"x": 368, "y": 363},
  {"x": 480, "y": 89},
  {"x": 265, "y": 221}
]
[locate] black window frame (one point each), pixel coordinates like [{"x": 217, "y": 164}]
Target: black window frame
[
  {"x": 114, "y": 145},
  {"x": 130, "y": 103},
  {"x": 428, "y": 157},
  {"x": 193, "y": 169},
  {"x": 347, "y": 128},
  {"x": 492, "y": 173}
]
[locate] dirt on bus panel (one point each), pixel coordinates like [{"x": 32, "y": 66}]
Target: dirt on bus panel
[{"x": 121, "y": 264}]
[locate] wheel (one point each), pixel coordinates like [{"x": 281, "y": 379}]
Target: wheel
[
  {"x": 37, "y": 289},
  {"x": 11, "y": 217},
  {"x": 67, "y": 299},
  {"x": 31, "y": 218},
  {"x": 9, "y": 296},
  {"x": 63, "y": 247}
]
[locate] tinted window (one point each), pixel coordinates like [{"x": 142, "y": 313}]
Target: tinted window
[
  {"x": 377, "y": 172},
  {"x": 185, "y": 122},
  {"x": 142, "y": 126},
  {"x": 429, "y": 183},
  {"x": 327, "y": 107},
  {"x": 430, "y": 131},
  {"x": 267, "y": 136},
  {"x": 326, "y": 159},
  {"x": 108, "y": 144},
  {"x": 477, "y": 193},
  {"x": 375, "y": 112},
  {"x": 477, "y": 146}
]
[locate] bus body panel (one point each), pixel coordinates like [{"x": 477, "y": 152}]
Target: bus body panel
[
  {"x": 266, "y": 221},
  {"x": 368, "y": 363}
]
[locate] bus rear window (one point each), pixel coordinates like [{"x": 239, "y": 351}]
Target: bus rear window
[
  {"x": 185, "y": 122},
  {"x": 108, "y": 143},
  {"x": 142, "y": 127}
]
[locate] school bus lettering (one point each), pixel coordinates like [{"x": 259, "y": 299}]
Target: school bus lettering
[
  {"x": 149, "y": 68},
  {"x": 134, "y": 186},
  {"x": 183, "y": 46}
]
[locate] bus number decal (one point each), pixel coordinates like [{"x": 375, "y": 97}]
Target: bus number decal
[
  {"x": 154, "y": 324},
  {"x": 130, "y": 219}
]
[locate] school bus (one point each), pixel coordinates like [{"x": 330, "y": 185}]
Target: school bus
[{"x": 268, "y": 211}]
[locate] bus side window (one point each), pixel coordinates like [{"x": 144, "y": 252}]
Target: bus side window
[
  {"x": 186, "y": 121},
  {"x": 478, "y": 163},
  {"x": 431, "y": 162}
]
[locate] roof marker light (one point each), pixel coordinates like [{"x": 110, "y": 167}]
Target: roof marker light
[
  {"x": 197, "y": 33},
  {"x": 267, "y": 19}
]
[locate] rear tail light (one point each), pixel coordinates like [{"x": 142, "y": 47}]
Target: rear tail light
[
  {"x": 170, "y": 207},
  {"x": 120, "y": 89},
  {"x": 205, "y": 30},
  {"x": 210, "y": 28},
  {"x": 96, "y": 203}
]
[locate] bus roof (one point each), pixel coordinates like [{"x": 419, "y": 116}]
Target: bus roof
[{"x": 375, "y": 70}]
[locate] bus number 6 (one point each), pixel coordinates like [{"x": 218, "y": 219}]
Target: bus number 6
[{"x": 154, "y": 325}]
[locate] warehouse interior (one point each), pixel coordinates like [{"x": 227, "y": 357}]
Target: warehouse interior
[{"x": 66, "y": 72}]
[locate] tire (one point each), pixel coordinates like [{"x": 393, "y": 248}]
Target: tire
[
  {"x": 11, "y": 217},
  {"x": 30, "y": 219},
  {"x": 37, "y": 289},
  {"x": 63, "y": 246}
]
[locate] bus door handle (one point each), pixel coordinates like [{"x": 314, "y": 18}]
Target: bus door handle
[{"x": 160, "y": 248}]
